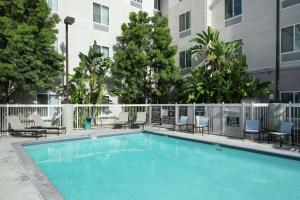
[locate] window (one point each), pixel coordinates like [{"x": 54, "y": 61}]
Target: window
[
  {"x": 53, "y": 4},
  {"x": 47, "y": 99},
  {"x": 233, "y": 8},
  {"x": 290, "y": 39},
  {"x": 239, "y": 49},
  {"x": 185, "y": 21},
  {"x": 288, "y": 3},
  {"x": 287, "y": 39},
  {"x": 100, "y": 14},
  {"x": 185, "y": 59},
  {"x": 157, "y": 4},
  {"x": 297, "y": 37},
  {"x": 139, "y": 1},
  {"x": 293, "y": 97},
  {"x": 104, "y": 50}
]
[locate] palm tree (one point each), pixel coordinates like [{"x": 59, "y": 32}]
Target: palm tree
[{"x": 223, "y": 76}]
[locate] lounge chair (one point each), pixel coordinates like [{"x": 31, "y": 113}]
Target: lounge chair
[
  {"x": 16, "y": 127},
  {"x": 252, "y": 127},
  {"x": 40, "y": 124},
  {"x": 285, "y": 130},
  {"x": 201, "y": 123},
  {"x": 141, "y": 119},
  {"x": 122, "y": 120},
  {"x": 183, "y": 121}
]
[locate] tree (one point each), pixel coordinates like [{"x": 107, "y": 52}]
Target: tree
[
  {"x": 144, "y": 69},
  {"x": 223, "y": 77},
  {"x": 28, "y": 59},
  {"x": 88, "y": 82}
]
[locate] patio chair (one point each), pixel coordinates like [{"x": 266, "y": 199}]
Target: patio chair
[
  {"x": 122, "y": 120},
  {"x": 201, "y": 123},
  {"x": 40, "y": 124},
  {"x": 284, "y": 130},
  {"x": 252, "y": 128},
  {"x": 183, "y": 121},
  {"x": 141, "y": 119},
  {"x": 16, "y": 127}
]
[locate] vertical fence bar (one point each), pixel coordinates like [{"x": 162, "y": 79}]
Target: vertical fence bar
[
  {"x": 242, "y": 116},
  {"x": 222, "y": 119},
  {"x": 251, "y": 111},
  {"x": 7, "y": 114},
  {"x": 176, "y": 113},
  {"x": 77, "y": 116},
  {"x": 290, "y": 112},
  {"x": 150, "y": 114},
  {"x": 194, "y": 113}
]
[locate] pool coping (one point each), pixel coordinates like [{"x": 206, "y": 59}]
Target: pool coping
[
  {"x": 49, "y": 192},
  {"x": 282, "y": 154}
]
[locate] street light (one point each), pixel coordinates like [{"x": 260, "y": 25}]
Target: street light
[
  {"x": 277, "y": 69},
  {"x": 68, "y": 21}
]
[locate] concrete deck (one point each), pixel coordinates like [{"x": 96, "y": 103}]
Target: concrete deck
[{"x": 16, "y": 182}]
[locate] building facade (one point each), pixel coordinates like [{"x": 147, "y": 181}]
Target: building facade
[
  {"x": 251, "y": 22},
  {"x": 95, "y": 20}
]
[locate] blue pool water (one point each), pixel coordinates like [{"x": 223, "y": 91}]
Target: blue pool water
[{"x": 151, "y": 167}]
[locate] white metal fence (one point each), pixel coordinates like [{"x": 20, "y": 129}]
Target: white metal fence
[
  {"x": 51, "y": 114},
  {"x": 224, "y": 119}
]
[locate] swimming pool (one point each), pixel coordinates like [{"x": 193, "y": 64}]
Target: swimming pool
[{"x": 145, "y": 166}]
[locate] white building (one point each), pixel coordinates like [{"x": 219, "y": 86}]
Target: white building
[
  {"x": 95, "y": 20},
  {"x": 252, "y": 22}
]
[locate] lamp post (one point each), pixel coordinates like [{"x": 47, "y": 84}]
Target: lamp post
[
  {"x": 68, "y": 21},
  {"x": 277, "y": 71}
]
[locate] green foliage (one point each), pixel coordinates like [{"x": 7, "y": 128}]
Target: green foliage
[
  {"x": 144, "y": 69},
  {"x": 88, "y": 82},
  {"x": 223, "y": 77},
  {"x": 28, "y": 60}
]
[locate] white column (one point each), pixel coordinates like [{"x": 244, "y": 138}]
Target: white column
[{"x": 68, "y": 117}]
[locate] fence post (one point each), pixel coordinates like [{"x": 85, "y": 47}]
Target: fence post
[
  {"x": 176, "y": 113},
  {"x": 7, "y": 114},
  {"x": 161, "y": 118},
  {"x": 242, "y": 116},
  {"x": 194, "y": 113},
  {"x": 150, "y": 114},
  {"x": 252, "y": 110},
  {"x": 222, "y": 119},
  {"x": 68, "y": 117},
  {"x": 290, "y": 111},
  {"x": 77, "y": 117}
]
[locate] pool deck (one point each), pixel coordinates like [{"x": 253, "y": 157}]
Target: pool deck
[{"x": 16, "y": 182}]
